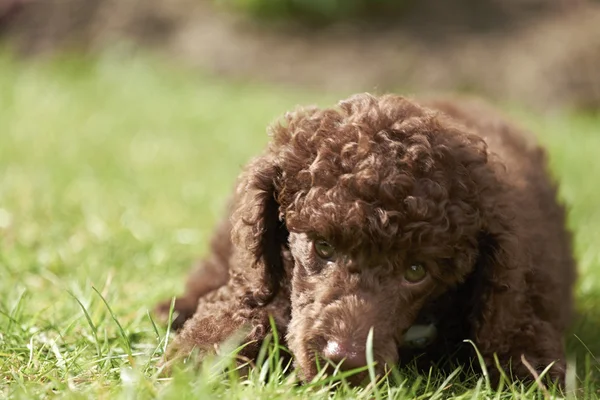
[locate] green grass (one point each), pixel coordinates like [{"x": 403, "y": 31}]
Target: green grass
[{"x": 113, "y": 172}]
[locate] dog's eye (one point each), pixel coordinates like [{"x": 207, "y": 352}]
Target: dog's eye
[
  {"x": 324, "y": 249},
  {"x": 415, "y": 273}
]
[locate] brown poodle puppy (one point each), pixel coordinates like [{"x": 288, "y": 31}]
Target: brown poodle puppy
[{"x": 429, "y": 223}]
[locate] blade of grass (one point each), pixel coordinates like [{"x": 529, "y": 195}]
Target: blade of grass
[
  {"x": 371, "y": 363},
  {"x": 169, "y": 323},
  {"x": 503, "y": 377},
  {"x": 154, "y": 327},
  {"x": 442, "y": 387},
  {"x": 538, "y": 384},
  {"x": 15, "y": 310},
  {"x": 120, "y": 328},
  {"x": 90, "y": 323},
  {"x": 484, "y": 370},
  {"x": 477, "y": 390}
]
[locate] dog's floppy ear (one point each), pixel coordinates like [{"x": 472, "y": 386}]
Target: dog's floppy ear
[
  {"x": 258, "y": 227},
  {"x": 499, "y": 301}
]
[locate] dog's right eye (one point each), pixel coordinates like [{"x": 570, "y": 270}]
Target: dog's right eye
[{"x": 324, "y": 249}]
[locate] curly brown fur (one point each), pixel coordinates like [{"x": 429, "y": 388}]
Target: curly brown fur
[{"x": 448, "y": 186}]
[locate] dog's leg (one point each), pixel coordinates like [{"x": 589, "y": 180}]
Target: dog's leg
[
  {"x": 223, "y": 315},
  {"x": 533, "y": 349}
]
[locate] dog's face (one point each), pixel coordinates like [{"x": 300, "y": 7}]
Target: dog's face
[
  {"x": 372, "y": 244},
  {"x": 338, "y": 296},
  {"x": 381, "y": 205},
  {"x": 341, "y": 290}
]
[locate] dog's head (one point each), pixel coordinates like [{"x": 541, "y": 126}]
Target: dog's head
[{"x": 382, "y": 205}]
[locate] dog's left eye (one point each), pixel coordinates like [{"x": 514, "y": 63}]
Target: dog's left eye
[
  {"x": 415, "y": 273},
  {"x": 324, "y": 249}
]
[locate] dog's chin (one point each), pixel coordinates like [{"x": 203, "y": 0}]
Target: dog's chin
[
  {"x": 306, "y": 368},
  {"x": 305, "y": 360}
]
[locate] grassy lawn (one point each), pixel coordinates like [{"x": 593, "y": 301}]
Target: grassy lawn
[{"x": 112, "y": 174}]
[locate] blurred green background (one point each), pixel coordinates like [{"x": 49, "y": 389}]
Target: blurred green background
[{"x": 123, "y": 126}]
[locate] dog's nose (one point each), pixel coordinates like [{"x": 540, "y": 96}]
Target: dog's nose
[{"x": 348, "y": 354}]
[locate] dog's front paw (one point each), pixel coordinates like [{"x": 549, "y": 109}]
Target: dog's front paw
[
  {"x": 529, "y": 369},
  {"x": 535, "y": 367}
]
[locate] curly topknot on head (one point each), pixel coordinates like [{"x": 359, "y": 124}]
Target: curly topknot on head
[{"x": 376, "y": 169}]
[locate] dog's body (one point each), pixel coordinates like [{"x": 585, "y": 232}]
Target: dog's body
[{"x": 387, "y": 214}]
